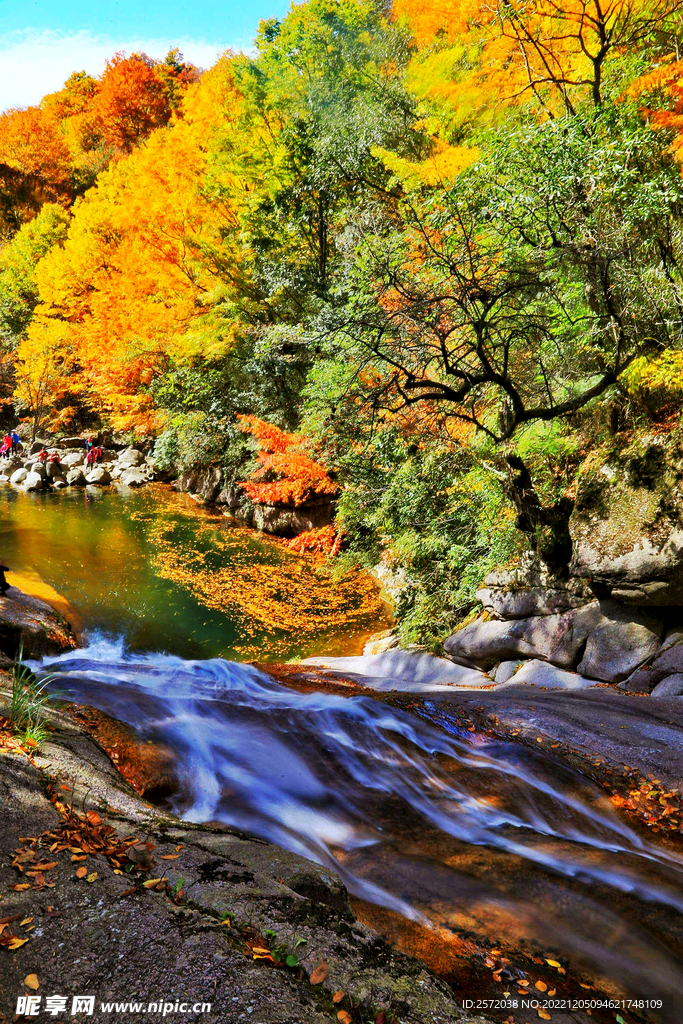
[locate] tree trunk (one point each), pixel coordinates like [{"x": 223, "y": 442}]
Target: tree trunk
[{"x": 546, "y": 526}]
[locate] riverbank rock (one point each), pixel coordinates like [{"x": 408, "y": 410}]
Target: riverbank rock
[
  {"x": 18, "y": 476},
  {"x": 99, "y": 476},
  {"x": 528, "y": 590},
  {"x": 601, "y": 640},
  {"x": 31, "y": 625},
  {"x": 111, "y": 937},
  {"x": 131, "y": 457},
  {"x": 75, "y": 477},
  {"x": 33, "y": 482},
  {"x": 132, "y": 478}
]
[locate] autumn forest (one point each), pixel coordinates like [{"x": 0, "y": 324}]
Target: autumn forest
[{"x": 422, "y": 258}]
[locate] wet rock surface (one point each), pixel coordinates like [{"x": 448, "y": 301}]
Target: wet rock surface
[
  {"x": 31, "y": 625},
  {"x": 110, "y": 936}
]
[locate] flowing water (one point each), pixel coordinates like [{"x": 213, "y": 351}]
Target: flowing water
[{"x": 464, "y": 833}]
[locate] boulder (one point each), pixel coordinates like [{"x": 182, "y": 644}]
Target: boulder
[
  {"x": 505, "y": 670},
  {"x": 672, "y": 686},
  {"x": 72, "y": 459},
  {"x": 617, "y": 647},
  {"x": 31, "y": 625},
  {"x": 33, "y": 482},
  {"x": 131, "y": 457},
  {"x": 554, "y": 638},
  {"x": 667, "y": 661},
  {"x": 54, "y": 470},
  {"x": 36, "y": 447},
  {"x": 39, "y": 468},
  {"x": 626, "y": 638},
  {"x": 59, "y": 482},
  {"x": 98, "y": 476},
  {"x": 540, "y": 673},
  {"x": 522, "y": 603},
  {"x": 18, "y": 477},
  {"x": 75, "y": 477},
  {"x": 71, "y": 442},
  {"x": 132, "y": 478}
]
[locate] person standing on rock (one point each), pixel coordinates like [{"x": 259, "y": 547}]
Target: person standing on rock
[
  {"x": 98, "y": 455},
  {"x": 4, "y": 585},
  {"x": 15, "y": 441},
  {"x": 42, "y": 456}
]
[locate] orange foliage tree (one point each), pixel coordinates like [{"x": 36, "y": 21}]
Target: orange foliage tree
[
  {"x": 285, "y": 474},
  {"x": 551, "y": 51}
]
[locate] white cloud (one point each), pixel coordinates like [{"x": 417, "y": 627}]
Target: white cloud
[{"x": 36, "y": 63}]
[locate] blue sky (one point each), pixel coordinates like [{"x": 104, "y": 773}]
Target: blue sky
[{"x": 43, "y": 41}]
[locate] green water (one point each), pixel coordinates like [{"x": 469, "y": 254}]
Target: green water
[{"x": 169, "y": 575}]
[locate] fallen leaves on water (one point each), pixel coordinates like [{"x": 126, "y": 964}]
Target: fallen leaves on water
[
  {"x": 31, "y": 981},
  {"x": 319, "y": 974}
]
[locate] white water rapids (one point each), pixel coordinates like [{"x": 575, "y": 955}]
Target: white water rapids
[{"x": 356, "y": 784}]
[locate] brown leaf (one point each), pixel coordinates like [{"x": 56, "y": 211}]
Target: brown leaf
[
  {"x": 128, "y": 892},
  {"x": 81, "y": 872},
  {"x": 31, "y": 981},
  {"x": 152, "y": 883},
  {"x": 319, "y": 974},
  {"x": 169, "y": 856},
  {"x": 20, "y": 888},
  {"x": 93, "y": 817}
]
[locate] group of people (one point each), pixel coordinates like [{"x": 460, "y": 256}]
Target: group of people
[
  {"x": 44, "y": 456},
  {"x": 93, "y": 453},
  {"x": 10, "y": 443}
]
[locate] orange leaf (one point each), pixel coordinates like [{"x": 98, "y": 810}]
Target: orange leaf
[
  {"x": 344, "y": 1017},
  {"x": 31, "y": 981},
  {"x": 319, "y": 974},
  {"x": 338, "y": 996},
  {"x": 81, "y": 872}
]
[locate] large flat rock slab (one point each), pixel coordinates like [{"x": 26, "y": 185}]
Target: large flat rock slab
[
  {"x": 32, "y": 625},
  {"x": 191, "y": 939}
]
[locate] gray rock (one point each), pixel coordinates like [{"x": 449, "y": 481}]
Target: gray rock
[
  {"x": 39, "y": 468},
  {"x": 75, "y": 477},
  {"x": 59, "y": 482},
  {"x": 522, "y": 603},
  {"x": 53, "y": 470},
  {"x": 554, "y": 638},
  {"x": 32, "y": 624},
  {"x": 410, "y": 671},
  {"x": 133, "y": 478},
  {"x": 672, "y": 686},
  {"x": 72, "y": 459},
  {"x": 18, "y": 477},
  {"x": 36, "y": 447},
  {"x": 618, "y": 646},
  {"x": 505, "y": 670},
  {"x": 667, "y": 661},
  {"x": 98, "y": 476},
  {"x": 131, "y": 457},
  {"x": 616, "y": 640},
  {"x": 540, "y": 673},
  {"x": 33, "y": 482}
]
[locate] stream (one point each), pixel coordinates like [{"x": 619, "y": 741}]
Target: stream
[{"x": 457, "y": 834}]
